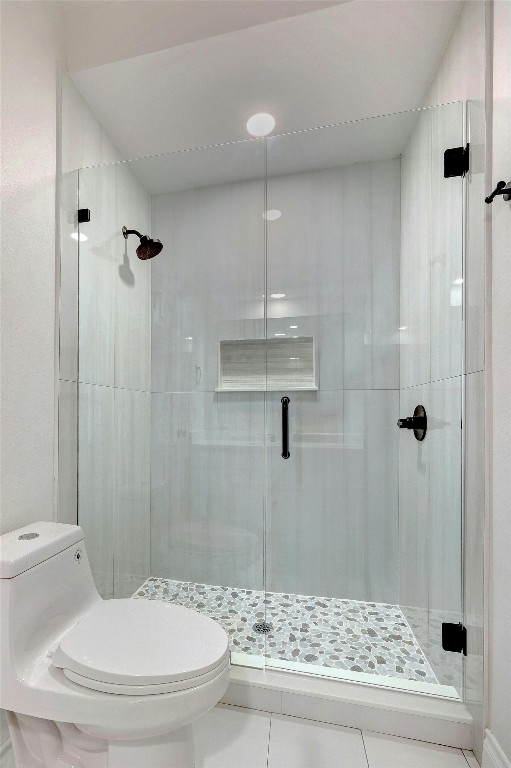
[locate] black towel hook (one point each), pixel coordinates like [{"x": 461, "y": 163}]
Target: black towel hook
[{"x": 502, "y": 188}]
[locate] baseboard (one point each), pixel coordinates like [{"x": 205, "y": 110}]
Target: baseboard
[
  {"x": 493, "y": 755},
  {"x": 369, "y": 707}
]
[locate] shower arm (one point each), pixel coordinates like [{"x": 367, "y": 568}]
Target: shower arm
[{"x": 127, "y": 232}]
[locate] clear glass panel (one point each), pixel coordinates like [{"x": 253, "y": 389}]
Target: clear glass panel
[
  {"x": 330, "y": 264},
  {"x": 363, "y": 547},
  {"x": 172, "y": 479}
]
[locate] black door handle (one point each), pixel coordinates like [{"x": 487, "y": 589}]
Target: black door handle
[{"x": 285, "y": 428}]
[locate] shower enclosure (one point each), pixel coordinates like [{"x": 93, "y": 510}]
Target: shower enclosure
[{"x": 238, "y": 395}]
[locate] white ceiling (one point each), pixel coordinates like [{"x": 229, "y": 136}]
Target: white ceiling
[{"x": 361, "y": 58}]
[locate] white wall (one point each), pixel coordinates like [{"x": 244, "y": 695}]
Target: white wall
[
  {"x": 31, "y": 73},
  {"x": 29, "y": 60},
  {"x": 331, "y": 519},
  {"x": 29, "y": 165},
  {"x": 499, "y": 716}
]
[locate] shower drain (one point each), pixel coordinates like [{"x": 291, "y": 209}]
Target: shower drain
[{"x": 262, "y": 627}]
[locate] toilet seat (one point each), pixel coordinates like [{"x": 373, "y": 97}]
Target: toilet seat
[{"x": 139, "y": 647}]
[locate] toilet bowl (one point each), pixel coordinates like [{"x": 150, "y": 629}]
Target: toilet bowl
[{"x": 98, "y": 683}]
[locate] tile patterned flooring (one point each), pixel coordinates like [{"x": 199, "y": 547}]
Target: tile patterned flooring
[
  {"x": 372, "y": 638},
  {"x": 232, "y": 737}
]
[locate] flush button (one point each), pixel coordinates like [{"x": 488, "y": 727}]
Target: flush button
[{"x": 28, "y": 536}]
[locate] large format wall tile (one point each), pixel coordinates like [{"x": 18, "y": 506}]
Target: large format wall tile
[
  {"x": 446, "y": 247},
  {"x": 68, "y": 454},
  {"x": 414, "y": 505},
  {"x": 474, "y": 272},
  {"x": 431, "y": 251},
  {"x": 132, "y": 352},
  {"x": 444, "y": 437},
  {"x": 207, "y": 488},
  {"x": 473, "y": 427},
  {"x": 68, "y": 295},
  {"x": 332, "y": 507},
  {"x": 334, "y": 252},
  {"x": 131, "y": 509},
  {"x": 416, "y": 256},
  {"x": 115, "y": 286},
  {"x": 430, "y": 521},
  {"x": 96, "y": 483},
  {"x": 97, "y": 277},
  {"x": 208, "y": 283},
  {"x": 114, "y": 485}
]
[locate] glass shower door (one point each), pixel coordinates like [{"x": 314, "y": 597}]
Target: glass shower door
[{"x": 344, "y": 534}]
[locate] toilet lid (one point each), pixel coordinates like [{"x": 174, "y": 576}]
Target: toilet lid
[{"x": 142, "y": 642}]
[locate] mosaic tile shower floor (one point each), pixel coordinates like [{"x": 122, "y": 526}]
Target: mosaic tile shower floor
[{"x": 373, "y": 638}]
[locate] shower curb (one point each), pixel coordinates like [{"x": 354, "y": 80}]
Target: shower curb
[{"x": 407, "y": 714}]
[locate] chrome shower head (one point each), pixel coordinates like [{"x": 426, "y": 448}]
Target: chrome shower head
[{"x": 148, "y": 247}]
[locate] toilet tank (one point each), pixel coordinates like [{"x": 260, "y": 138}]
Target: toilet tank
[{"x": 45, "y": 586}]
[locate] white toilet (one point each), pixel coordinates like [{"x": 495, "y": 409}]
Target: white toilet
[{"x": 92, "y": 683}]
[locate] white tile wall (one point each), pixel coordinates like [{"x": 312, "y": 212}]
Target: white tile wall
[
  {"x": 474, "y": 272},
  {"x": 340, "y": 487},
  {"x": 414, "y": 505},
  {"x": 68, "y": 454},
  {"x": 114, "y": 372},
  {"x": 114, "y": 485},
  {"x": 132, "y": 319},
  {"x": 208, "y": 282},
  {"x": 446, "y": 236},
  {"x": 96, "y": 467},
  {"x": 115, "y": 286},
  {"x": 473, "y": 551},
  {"x": 332, "y": 508},
  {"x": 430, "y": 513},
  {"x": 415, "y": 286},
  {"x": 207, "y": 487},
  {"x": 68, "y": 294},
  {"x": 431, "y": 251},
  {"x": 131, "y": 507}
]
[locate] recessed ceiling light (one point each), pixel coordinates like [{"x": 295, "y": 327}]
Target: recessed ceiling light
[
  {"x": 459, "y": 281},
  {"x": 279, "y": 334},
  {"x": 277, "y": 295},
  {"x": 272, "y": 215},
  {"x": 402, "y": 328},
  {"x": 294, "y": 358},
  {"x": 260, "y": 124},
  {"x": 80, "y": 237},
  {"x": 188, "y": 338},
  {"x": 293, "y": 326}
]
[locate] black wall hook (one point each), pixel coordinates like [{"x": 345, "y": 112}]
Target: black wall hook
[{"x": 502, "y": 188}]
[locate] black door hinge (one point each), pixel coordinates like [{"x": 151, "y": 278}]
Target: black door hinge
[
  {"x": 456, "y": 161},
  {"x": 83, "y": 215},
  {"x": 454, "y": 638}
]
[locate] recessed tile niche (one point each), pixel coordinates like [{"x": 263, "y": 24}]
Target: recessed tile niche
[{"x": 267, "y": 364}]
